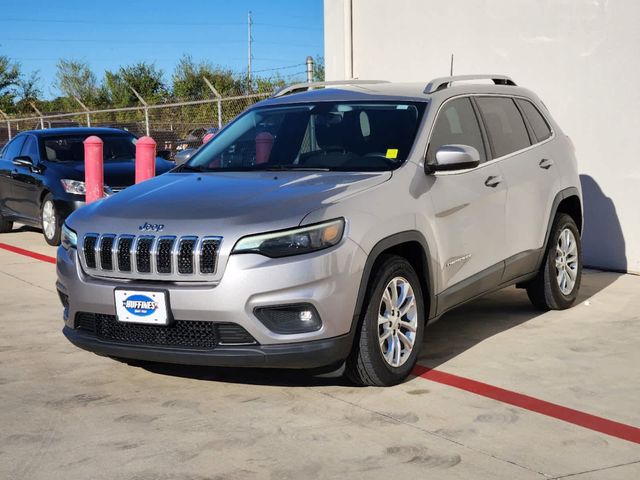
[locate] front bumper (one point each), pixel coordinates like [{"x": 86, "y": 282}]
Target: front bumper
[
  {"x": 314, "y": 354},
  {"x": 329, "y": 280},
  {"x": 67, "y": 206}
]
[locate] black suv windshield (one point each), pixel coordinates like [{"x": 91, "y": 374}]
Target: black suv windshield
[
  {"x": 371, "y": 136},
  {"x": 70, "y": 148}
]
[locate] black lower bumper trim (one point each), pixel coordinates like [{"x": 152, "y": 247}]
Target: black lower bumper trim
[{"x": 313, "y": 354}]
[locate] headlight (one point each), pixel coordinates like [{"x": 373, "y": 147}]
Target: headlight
[
  {"x": 76, "y": 187},
  {"x": 293, "y": 242},
  {"x": 68, "y": 238}
]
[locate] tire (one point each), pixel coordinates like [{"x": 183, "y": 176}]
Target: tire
[
  {"x": 548, "y": 290},
  {"x": 50, "y": 220},
  {"x": 366, "y": 364},
  {"x": 5, "y": 225}
]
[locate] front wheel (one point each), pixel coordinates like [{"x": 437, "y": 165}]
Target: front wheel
[
  {"x": 390, "y": 335},
  {"x": 557, "y": 284},
  {"x": 51, "y": 223}
]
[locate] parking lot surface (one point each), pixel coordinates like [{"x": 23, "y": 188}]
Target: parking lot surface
[{"x": 507, "y": 410}]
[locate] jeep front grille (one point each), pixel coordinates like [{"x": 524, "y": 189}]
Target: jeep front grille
[{"x": 187, "y": 258}]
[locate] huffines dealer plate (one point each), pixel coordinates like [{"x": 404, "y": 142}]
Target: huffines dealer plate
[{"x": 142, "y": 306}]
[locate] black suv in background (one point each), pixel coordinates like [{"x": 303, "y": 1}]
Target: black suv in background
[{"x": 42, "y": 175}]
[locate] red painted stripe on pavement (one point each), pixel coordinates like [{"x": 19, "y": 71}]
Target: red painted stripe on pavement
[
  {"x": 28, "y": 253},
  {"x": 576, "y": 417}
]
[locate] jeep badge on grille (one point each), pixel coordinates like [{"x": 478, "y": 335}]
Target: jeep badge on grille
[{"x": 151, "y": 227}]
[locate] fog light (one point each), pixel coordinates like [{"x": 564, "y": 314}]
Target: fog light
[
  {"x": 288, "y": 319},
  {"x": 306, "y": 316}
]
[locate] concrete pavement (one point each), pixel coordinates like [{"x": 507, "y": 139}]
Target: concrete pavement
[{"x": 69, "y": 414}]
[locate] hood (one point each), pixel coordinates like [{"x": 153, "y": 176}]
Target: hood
[
  {"x": 226, "y": 203},
  {"x": 117, "y": 173}
]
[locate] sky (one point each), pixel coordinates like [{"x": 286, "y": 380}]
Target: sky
[{"x": 107, "y": 34}]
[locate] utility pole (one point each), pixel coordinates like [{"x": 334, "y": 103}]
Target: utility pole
[{"x": 249, "y": 55}]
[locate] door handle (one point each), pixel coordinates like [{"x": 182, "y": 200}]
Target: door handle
[
  {"x": 545, "y": 163},
  {"x": 493, "y": 181}
]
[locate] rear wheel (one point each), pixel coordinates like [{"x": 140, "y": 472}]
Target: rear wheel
[
  {"x": 390, "y": 335},
  {"x": 51, "y": 223},
  {"x": 557, "y": 284}
]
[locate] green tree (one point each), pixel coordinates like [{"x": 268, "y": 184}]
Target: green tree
[
  {"x": 144, "y": 77},
  {"x": 318, "y": 69},
  {"x": 28, "y": 91},
  {"x": 9, "y": 80},
  {"x": 76, "y": 79},
  {"x": 188, "y": 80}
]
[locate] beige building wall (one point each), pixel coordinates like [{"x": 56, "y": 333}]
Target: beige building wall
[{"x": 581, "y": 56}]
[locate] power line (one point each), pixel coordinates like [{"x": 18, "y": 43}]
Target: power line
[
  {"x": 118, "y": 22},
  {"x": 278, "y": 68},
  {"x": 149, "y": 42}
]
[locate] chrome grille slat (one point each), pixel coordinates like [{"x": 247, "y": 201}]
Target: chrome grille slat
[
  {"x": 186, "y": 250},
  {"x": 169, "y": 258},
  {"x": 208, "y": 255},
  {"x": 164, "y": 254},
  {"x": 89, "y": 249},
  {"x": 144, "y": 253},
  {"x": 124, "y": 253},
  {"x": 106, "y": 251}
]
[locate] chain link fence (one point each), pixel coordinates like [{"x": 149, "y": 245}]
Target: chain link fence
[{"x": 174, "y": 125}]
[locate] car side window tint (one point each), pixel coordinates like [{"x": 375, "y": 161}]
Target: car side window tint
[
  {"x": 12, "y": 150},
  {"x": 505, "y": 126},
  {"x": 30, "y": 148},
  {"x": 456, "y": 124},
  {"x": 538, "y": 123}
]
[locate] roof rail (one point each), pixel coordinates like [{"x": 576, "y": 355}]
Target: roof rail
[
  {"x": 445, "y": 82},
  {"x": 305, "y": 86}
]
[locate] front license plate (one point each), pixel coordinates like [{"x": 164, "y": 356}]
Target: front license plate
[{"x": 142, "y": 306}]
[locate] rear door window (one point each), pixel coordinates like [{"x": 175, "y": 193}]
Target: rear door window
[
  {"x": 505, "y": 126},
  {"x": 539, "y": 125},
  {"x": 456, "y": 124}
]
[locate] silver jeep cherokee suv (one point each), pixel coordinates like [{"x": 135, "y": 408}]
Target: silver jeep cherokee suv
[{"x": 330, "y": 223}]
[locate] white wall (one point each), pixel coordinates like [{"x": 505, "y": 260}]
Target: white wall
[{"x": 582, "y": 57}]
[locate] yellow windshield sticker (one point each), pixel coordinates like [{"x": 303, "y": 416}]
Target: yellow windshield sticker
[{"x": 392, "y": 153}]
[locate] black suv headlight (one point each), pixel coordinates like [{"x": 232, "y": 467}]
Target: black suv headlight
[
  {"x": 68, "y": 238},
  {"x": 296, "y": 241}
]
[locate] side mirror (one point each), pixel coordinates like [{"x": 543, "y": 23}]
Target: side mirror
[
  {"x": 164, "y": 154},
  {"x": 454, "y": 157},
  {"x": 23, "y": 161}
]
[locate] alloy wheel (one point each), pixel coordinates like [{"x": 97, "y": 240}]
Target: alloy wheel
[
  {"x": 49, "y": 219},
  {"x": 397, "y": 321},
  {"x": 566, "y": 261}
]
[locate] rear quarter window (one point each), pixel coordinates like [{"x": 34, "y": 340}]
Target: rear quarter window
[
  {"x": 538, "y": 123},
  {"x": 505, "y": 125}
]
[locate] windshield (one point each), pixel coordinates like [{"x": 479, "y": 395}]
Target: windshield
[
  {"x": 315, "y": 136},
  {"x": 69, "y": 148}
]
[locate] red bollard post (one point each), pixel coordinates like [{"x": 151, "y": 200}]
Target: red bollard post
[
  {"x": 207, "y": 137},
  {"x": 264, "y": 143},
  {"x": 93, "y": 169},
  {"x": 145, "y": 159}
]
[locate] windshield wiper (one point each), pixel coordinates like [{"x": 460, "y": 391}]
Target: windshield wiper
[{"x": 284, "y": 168}]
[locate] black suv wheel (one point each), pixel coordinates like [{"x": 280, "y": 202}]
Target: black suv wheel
[
  {"x": 557, "y": 284},
  {"x": 390, "y": 335}
]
